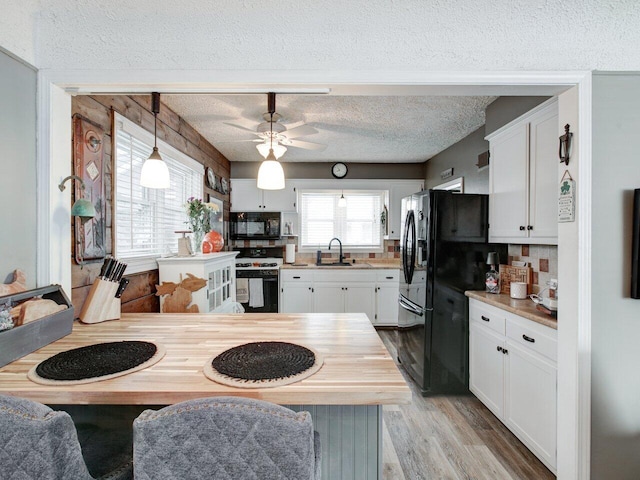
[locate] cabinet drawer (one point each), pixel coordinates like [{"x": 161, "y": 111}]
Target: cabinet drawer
[
  {"x": 486, "y": 315},
  {"x": 387, "y": 276},
  {"x": 538, "y": 338},
  {"x": 296, "y": 275}
]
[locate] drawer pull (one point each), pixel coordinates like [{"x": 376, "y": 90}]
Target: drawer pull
[
  {"x": 499, "y": 348},
  {"x": 529, "y": 339},
  {"x": 296, "y": 277},
  {"x": 389, "y": 278},
  {"x": 486, "y": 319}
]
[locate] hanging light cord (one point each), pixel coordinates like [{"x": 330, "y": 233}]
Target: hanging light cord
[{"x": 155, "y": 107}]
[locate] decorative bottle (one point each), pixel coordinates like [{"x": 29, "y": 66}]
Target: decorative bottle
[{"x": 492, "y": 277}]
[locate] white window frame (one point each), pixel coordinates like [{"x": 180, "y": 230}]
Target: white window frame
[
  {"x": 346, "y": 248},
  {"x": 147, "y": 262}
]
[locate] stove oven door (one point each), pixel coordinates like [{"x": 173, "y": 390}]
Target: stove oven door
[{"x": 262, "y": 286}]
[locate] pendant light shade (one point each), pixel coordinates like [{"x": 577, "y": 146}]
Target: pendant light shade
[
  {"x": 271, "y": 174},
  {"x": 155, "y": 173},
  {"x": 82, "y": 207}
]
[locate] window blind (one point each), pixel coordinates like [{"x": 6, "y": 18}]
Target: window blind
[
  {"x": 146, "y": 219},
  {"x": 357, "y": 225}
]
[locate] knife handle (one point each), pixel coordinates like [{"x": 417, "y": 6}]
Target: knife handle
[{"x": 123, "y": 285}]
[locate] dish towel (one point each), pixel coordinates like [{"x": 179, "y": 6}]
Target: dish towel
[
  {"x": 256, "y": 293},
  {"x": 242, "y": 290}
]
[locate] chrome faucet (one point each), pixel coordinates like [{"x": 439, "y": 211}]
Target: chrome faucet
[{"x": 341, "y": 258}]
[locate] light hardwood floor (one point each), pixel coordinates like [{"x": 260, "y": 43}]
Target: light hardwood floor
[{"x": 450, "y": 437}]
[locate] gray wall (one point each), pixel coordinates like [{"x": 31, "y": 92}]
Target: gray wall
[
  {"x": 504, "y": 109},
  {"x": 463, "y": 157},
  {"x": 17, "y": 157},
  {"x": 615, "y": 413},
  {"x": 323, "y": 170}
]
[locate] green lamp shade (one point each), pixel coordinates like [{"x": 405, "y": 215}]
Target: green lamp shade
[{"x": 83, "y": 208}]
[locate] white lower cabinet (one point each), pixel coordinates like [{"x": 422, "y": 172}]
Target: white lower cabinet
[
  {"x": 370, "y": 291},
  {"x": 513, "y": 371}
]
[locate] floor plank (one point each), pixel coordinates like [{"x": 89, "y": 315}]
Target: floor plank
[{"x": 451, "y": 437}]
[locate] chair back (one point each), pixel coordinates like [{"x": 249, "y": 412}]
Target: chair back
[
  {"x": 224, "y": 438},
  {"x": 38, "y": 442}
]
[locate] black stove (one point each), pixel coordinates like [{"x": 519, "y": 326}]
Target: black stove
[{"x": 258, "y": 268}]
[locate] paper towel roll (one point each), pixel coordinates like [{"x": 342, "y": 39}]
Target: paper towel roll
[{"x": 290, "y": 253}]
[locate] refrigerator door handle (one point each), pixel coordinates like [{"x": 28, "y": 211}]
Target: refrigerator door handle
[{"x": 411, "y": 306}]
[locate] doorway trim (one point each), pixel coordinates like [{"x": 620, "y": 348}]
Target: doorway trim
[{"x": 55, "y": 88}]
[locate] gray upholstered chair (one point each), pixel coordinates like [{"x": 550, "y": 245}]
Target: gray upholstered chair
[
  {"x": 225, "y": 438},
  {"x": 37, "y": 442}
]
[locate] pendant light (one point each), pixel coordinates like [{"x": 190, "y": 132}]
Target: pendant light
[
  {"x": 271, "y": 174},
  {"x": 343, "y": 201},
  {"x": 155, "y": 173}
]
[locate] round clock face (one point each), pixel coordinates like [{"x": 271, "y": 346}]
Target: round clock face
[{"x": 339, "y": 170}]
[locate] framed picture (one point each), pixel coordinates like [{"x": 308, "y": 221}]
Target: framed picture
[{"x": 217, "y": 217}]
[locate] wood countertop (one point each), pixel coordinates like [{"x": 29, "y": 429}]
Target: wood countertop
[
  {"x": 352, "y": 266},
  {"x": 525, "y": 308},
  {"x": 357, "y": 370}
]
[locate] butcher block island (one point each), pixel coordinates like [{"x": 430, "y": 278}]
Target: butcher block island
[{"x": 345, "y": 397}]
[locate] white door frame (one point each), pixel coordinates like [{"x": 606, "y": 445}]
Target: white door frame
[{"x": 54, "y": 153}]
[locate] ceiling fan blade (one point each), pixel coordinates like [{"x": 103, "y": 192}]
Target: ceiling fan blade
[
  {"x": 254, "y": 140},
  {"x": 300, "y": 131},
  {"x": 241, "y": 127},
  {"x": 307, "y": 145}
]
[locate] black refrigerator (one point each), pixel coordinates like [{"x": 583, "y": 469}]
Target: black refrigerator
[{"x": 446, "y": 235}]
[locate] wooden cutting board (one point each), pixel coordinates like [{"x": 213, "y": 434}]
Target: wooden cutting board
[{"x": 509, "y": 273}]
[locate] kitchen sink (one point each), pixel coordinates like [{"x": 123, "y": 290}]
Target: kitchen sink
[{"x": 336, "y": 264}]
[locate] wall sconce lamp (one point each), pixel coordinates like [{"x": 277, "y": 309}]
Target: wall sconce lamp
[
  {"x": 82, "y": 207},
  {"x": 564, "y": 151}
]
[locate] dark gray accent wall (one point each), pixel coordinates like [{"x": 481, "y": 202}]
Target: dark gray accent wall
[
  {"x": 504, "y": 109},
  {"x": 463, "y": 157},
  {"x": 18, "y": 167},
  {"x": 323, "y": 170},
  {"x": 615, "y": 321}
]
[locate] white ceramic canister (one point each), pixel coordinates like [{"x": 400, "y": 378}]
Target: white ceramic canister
[{"x": 518, "y": 290}]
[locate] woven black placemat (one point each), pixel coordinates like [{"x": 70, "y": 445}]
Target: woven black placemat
[
  {"x": 96, "y": 360},
  {"x": 264, "y": 361}
]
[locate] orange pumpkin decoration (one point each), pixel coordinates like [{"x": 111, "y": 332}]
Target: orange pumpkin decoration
[{"x": 212, "y": 242}]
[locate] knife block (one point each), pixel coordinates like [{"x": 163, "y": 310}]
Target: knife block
[{"x": 101, "y": 303}]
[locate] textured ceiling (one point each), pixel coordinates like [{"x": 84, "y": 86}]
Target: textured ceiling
[{"x": 354, "y": 128}]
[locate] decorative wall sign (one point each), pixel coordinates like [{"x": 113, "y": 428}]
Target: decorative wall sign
[
  {"x": 567, "y": 199},
  {"x": 89, "y": 166}
]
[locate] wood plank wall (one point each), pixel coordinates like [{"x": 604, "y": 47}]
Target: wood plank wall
[{"x": 140, "y": 294}]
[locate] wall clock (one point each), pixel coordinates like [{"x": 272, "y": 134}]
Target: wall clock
[{"x": 339, "y": 170}]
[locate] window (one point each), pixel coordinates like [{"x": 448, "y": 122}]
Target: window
[
  {"x": 146, "y": 219},
  {"x": 357, "y": 225}
]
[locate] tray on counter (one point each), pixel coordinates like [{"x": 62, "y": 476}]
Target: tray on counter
[{"x": 22, "y": 340}]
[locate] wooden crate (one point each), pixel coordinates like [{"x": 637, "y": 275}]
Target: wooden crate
[
  {"x": 509, "y": 273},
  {"x": 22, "y": 340}
]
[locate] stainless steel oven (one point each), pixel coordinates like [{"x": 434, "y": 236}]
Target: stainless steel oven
[{"x": 257, "y": 277}]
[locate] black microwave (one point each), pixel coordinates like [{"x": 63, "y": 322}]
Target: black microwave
[{"x": 255, "y": 225}]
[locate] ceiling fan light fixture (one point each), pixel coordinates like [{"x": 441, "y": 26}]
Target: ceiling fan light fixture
[
  {"x": 271, "y": 174},
  {"x": 278, "y": 150}
]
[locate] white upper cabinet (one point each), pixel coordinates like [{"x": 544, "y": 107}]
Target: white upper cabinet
[
  {"x": 247, "y": 197},
  {"x": 523, "y": 206}
]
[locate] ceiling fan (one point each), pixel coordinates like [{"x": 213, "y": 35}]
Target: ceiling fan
[{"x": 274, "y": 135}]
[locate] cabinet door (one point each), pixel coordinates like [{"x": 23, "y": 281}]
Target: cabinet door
[
  {"x": 280, "y": 200},
  {"x": 387, "y": 305},
  {"x": 486, "y": 368},
  {"x": 543, "y": 169},
  {"x": 296, "y": 297},
  {"x": 530, "y": 410},
  {"x": 245, "y": 196},
  {"x": 360, "y": 298},
  {"x": 509, "y": 184},
  {"x": 328, "y": 298}
]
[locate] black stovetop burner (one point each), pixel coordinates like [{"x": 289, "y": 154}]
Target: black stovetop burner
[{"x": 262, "y": 252}]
